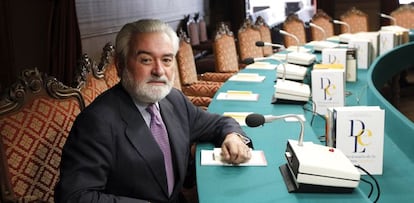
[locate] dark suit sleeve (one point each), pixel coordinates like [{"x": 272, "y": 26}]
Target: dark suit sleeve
[
  {"x": 204, "y": 126},
  {"x": 86, "y": 163}
]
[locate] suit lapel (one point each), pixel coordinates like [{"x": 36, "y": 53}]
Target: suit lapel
[{"x": 141, "y": 139}]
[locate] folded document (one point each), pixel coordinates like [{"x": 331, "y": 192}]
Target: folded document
[{"x": 213, "y": 157}]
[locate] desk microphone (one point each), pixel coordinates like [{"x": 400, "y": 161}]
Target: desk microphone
[
  {"x": 255, "y": 120},
  {"x": 394, "y": 21},
  {"x": 290, "y": 35},
  {"x": 317, "y": 27},
  {"x": 312, "y": 167},
  {"x": 249, "y": 61},
  {"x": 262, "y": 44},
  {"x": 348, "y": 28}
]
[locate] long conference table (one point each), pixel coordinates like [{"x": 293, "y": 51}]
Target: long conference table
[{"x": 265, "y": 183}]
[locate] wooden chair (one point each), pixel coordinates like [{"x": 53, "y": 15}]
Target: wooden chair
[
  {"x": 107, "y": 65},
  {"x": 324, "y": 21},
  {"x": 247, "y": 36},
  {"x": 200, "y": 101},
  {"x": 225, "y": 55},
  {"x": 89, "y": 79},
  {"x": 36, "y": 115},
  {"x": 295, "y": 26},
  {"x": 356, "y": 19},
  {"x": 190, "y": 85},
  {"x": 404, "y": 16},
  {"x": 265, "y": 35}
]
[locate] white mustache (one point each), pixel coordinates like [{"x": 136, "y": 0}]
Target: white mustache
[{"x": 162, "y": 79}]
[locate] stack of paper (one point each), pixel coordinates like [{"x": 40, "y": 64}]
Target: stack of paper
[
  {"x": 247, "y": 77},
  {"x": 261, "y": 65},
  {"x": 238, "y": 95},
  {"x": 213, "y": 157}
]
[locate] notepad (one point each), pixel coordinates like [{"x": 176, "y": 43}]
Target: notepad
[
  {"x": 213, "y": 158},
  {"x": 247, "y": 77},
  {"x": 298, "y": 49},
  {"x": 238, "y": 95},
  {"x": 261, "y": 65},
  {"x": 240, "y": 117}
]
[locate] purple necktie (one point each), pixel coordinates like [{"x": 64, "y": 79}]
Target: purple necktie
[{"x": 160, "y": 134}]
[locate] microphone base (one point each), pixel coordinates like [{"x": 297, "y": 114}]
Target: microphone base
[
  {"x": 313, "y": 168},
  {"x": 287, "y": 101},
  {"x": 294, "y": 187}
]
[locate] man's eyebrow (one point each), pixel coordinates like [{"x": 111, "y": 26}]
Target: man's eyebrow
[
  {"x": 149, "y": 53},
  {"x": 142, "y": 52}
]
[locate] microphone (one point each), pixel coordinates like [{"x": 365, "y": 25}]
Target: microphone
[
  {"x": 394, "y": 21},
  {"x": 255, "y": 120},
  {"x": 248, "y": 61},
  {"x": 262, "y": 44},
  {"x": 348, "y": 28},
  {"x": 290, "y": 35},
  {"x": 317, "y": 27}
]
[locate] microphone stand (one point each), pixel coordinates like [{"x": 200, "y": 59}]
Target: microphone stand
[
  {"x": 302, "y": 125},
  {"x": 319, "y": 28},
  {"x": 394, "y": 21},
  {"x": 348, "y": 28},
  {"x": 291, "y": 35}
]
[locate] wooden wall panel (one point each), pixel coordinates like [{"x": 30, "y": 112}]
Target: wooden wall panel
[{"x": 100, "y": 20}]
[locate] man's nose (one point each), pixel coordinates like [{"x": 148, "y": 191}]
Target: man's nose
[{"x": 158, "y": 68}]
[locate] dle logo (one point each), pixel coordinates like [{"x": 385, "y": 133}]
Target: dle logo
[
  {"x": 328, "y": 88},
  {"x": 360, "y": 134}
]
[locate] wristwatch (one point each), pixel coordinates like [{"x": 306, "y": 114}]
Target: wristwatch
[{"x": 245, "y": 139}]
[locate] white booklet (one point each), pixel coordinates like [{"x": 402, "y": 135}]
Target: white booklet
[
  {"x": 261, "y": 65},
  {"x": 240, "y": 117},
  {"x": 238, "y": 95},
  {"x": 247, "y": 77},
  {"x": 213, "y": 158}
]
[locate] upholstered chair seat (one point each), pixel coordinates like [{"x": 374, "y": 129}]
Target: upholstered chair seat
[
  {"x": 323, "y": 20},
  {"x": 295, "y": 26},
  {"x": 356, "y": 19},
  {"x": 247, "y": 36},
  {"x": 404, "y": 16},
  {"x": 190, "y": 83},
  {"x": 265, "y": 35},
  {"x": 225, "y": 54}
]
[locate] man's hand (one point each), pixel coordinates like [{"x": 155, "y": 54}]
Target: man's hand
[{"x": 234, "y": 150}]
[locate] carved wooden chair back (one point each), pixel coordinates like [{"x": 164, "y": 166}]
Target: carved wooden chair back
[
  {"x": 295, "y": 26},
  {"x": 35, "y": 118}
]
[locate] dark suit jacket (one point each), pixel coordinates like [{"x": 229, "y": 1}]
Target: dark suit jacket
[{"x": 111, "y": 156}]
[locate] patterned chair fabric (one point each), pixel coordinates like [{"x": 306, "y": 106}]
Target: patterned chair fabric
[
  {"x": 323, "y": 20},
  {"x": 356, "y": 19},
  {"x": 90, "y": 80},
  {"x": 295, "y": 26},
  {"x": 188, "y": 73},
  {"x": 35, "y": 118},
  {"x": 111, "y": 75},
  {"x": 404, "y": 16},
  {"x": 265, "y": 35},
  {"x": 225, "y": 51},
  {"x": 248, "y": 35},
  {"x": 200, "y": 101}
]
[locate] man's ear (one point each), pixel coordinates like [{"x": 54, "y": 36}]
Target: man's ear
[{"x": 119, "y": 64}]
